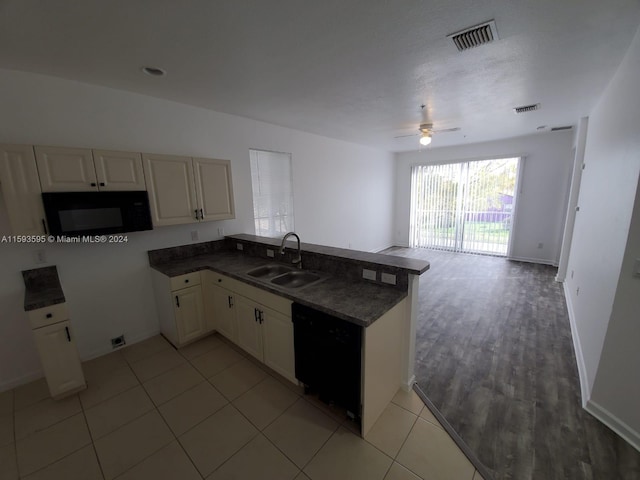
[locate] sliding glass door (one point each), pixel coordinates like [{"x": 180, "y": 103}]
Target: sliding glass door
[{"x": 464, "y": 207}]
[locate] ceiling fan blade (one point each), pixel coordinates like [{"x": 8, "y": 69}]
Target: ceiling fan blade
[
  {"x": 412, "y": 135},
  {"x": 445, "y": 130}
]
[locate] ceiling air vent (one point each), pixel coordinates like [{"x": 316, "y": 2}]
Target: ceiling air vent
[
  {"x": 527, "y": 108},
  {"x": 475, "y": 36},
  {"x": 559, "y": 129}
]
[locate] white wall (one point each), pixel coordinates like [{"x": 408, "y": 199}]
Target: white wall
[
  {"x": 602, "y": 295},
  {"x": 343, "y": 196},
  {"x": 541, "y": 202}
]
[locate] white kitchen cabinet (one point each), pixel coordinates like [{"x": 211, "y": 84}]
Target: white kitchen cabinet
[
  {"x": 64, "y": 169},
  {"x": 119, "y": 170},
  {"x": 20, "y": 188},
  {"x": 57, "y": 349},
  {"x": 214, "y": 188},
  {"x": 185, "y": 190},
  {"x": 180, "y": 307},
  {"x": 249, "y": 319},
  {"x": 256, "y": 320}
]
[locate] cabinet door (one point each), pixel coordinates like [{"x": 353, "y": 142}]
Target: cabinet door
[
  {"x": 119, "y": 170},
  {"x": 224, "y": 313},
  {"x": 249, "y": 328},
  {"x": 214, "y": 188},
  {"x": 171, "y": 189},
  {"x": 21, "y": 190},
  {"x": 189, "y": 313},
  {"x": 277, "y": 336},
  {"x": 60, "y": 360},
  {"x": 66, "y": 169}
]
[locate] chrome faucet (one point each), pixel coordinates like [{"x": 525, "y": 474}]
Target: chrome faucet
[{"x": 298, "y": 260}]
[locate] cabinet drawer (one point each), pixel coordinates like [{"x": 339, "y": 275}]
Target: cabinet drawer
[
  {"x": 186, "y": 280},
  {"x": 48, "y": 315}
]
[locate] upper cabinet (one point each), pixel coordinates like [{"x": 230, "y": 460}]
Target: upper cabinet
[
  {"x": 80, "y": 170},
  {"x": 214, "y": 188},
  {"x": 185, "y": 190},
  {"x": 21, "y": 190},
  {"x": 119, "y": 170}
]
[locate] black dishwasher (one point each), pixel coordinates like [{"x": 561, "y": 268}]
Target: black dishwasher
[{"x": 328, "y": 357}]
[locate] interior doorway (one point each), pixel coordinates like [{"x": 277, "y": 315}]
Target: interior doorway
[{"x": 465, "y": 206}]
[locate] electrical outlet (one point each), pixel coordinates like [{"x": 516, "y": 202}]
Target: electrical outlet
[
  {"x": 118, "y": 342},
  {"x": 270, "y": 253},
  {"x": 194, "y": 235},
  {"x": 239, "y": 246},
  {"x": 41, "y": 256},
  {"x": 368, "y": 274},
  {"x": 540, "y": 245},
  {"x": 577, "y": 291},
  {"x": 388, "y": 278},
  {"x": 571, "y": 273},
  {"x": 220, "y": 231},
  {"x": 636, "y": 268}
]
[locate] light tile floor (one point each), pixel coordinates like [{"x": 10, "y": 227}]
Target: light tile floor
[{"x": 208, "y": 411}]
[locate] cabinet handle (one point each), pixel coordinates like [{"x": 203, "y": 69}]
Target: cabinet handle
[
  {"x": 230, "y": 301},
  {"x": 201, "y": 214},
  {"x": 196, "y": 210},
  {"x": 219, "y": 280},
  {"x": 186, "y": 281},
  {"x": 93, "y": 184},
  {"x": 49, "y": 315},
  {"x": 44, "y": 226},
  {"x": 102, "y": 184},
  {"x": 66, "y": 329},
  {"x": 177, "y": 301},
  {"x": 261, "y": 316},
  {"x": 255, "y": 314}
]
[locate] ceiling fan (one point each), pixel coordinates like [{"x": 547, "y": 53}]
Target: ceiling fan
[{"x": 426, "y": 131}]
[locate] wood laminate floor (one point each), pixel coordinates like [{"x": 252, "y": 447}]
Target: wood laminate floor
[{"x": 494, "y": 354}]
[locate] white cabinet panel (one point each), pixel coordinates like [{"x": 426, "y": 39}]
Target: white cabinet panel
[
  {"x": 248, "y": 318},
  {"x": 21, "y": 190},
  {"x": 277, "y": 336},
  {"x": 59, "y": 356},
  {"x": 119, "y": 170},
  {"x": 171, "y": 191},
  {"x": 189, "y": 313},
  {"x": 214, "y": 188},
  {"x": 64, "y": 169},
  {"x": 222, "y": 316}
]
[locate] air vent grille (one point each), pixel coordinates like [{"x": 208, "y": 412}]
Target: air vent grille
[
  {"x": 559, "y": 129},
  {"x": 475, "y": 36},
  {"x": 527, "y": 108}
]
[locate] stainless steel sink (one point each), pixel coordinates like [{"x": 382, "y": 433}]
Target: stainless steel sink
[
  {"x": 296, "y": 279},
  {"x": 269, "y": 271}
]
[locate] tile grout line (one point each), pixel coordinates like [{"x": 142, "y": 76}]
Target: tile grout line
[{"x": 93, "y": 443}]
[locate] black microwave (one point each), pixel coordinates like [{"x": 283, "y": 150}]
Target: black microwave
[{"x": 96, "y": 213}]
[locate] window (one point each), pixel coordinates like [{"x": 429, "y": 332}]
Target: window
[{"x": 272, "y": 192}]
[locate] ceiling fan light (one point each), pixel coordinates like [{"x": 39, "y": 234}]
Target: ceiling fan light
[{"x": 425, "y": 139}]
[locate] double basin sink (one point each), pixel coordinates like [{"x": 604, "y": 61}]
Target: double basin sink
[{"x": 284, "y": 276}]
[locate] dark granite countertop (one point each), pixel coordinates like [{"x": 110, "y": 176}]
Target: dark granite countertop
[
  {"x": 359, "y": 302},
  {"x": 42, "y": 288},
  {"x": 410, "y": 265}
]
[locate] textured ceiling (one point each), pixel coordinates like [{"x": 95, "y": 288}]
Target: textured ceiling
[{"x": 350, "y": 69}]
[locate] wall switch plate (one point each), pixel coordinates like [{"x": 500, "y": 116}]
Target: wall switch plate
[
  {"x": 118, "y": 342},
  {"x": 220, "y": 232},
  {"x": 270, "y": 253},
  {"x": 239, "y": 246},
  {"x": 194, "y": 235},
  {"x": 540, "y": 245},
  {"x": 369, "y": 274},
  {"x": 388, "y": 278},
  {"x": 41, "y": 256}
]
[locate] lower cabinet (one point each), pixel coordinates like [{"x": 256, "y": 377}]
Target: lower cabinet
[
  {"x": 257, "y": 321},
  {"x": 180, "y": 307},
  {"x": 57, "y": 349}
]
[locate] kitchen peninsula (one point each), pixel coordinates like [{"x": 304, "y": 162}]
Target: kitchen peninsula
[{"x": 215, "y": 286}]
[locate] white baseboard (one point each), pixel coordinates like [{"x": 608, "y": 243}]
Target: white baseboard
[
  {"x": 21, "y": 380},
  {"x": 408, "y": 386},
  {"x": 614, "y": 423},
  {"x": 130, "y": 341},
  {"x": 542, "y": 261},
  {"x": 378, "y": 250},
  {"x": 585, "y": 388}
]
